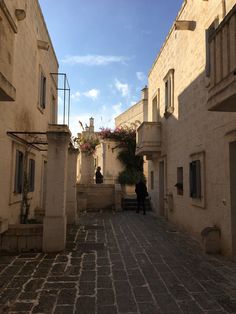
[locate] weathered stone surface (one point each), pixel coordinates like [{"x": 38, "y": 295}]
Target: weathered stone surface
[{"x": 89, "y": 282}]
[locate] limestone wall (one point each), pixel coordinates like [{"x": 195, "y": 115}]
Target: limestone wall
[
  {"x": 95, "y": 197},
  {"x": 191, "y": 129},
  {"x": 25, "y": 114}
]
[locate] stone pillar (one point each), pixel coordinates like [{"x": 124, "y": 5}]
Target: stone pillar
[
  {"x": 71, "y": 199},
  {"x": 86, "y": 168},
  {"x": 54, "y": 224}
]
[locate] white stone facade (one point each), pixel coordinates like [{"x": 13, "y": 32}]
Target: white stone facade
[
  {"x": 178, "y": 86},
  {"x": 26, "y": 62}
]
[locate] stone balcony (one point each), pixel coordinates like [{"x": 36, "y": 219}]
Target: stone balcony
[
  {"x": 8, "y": 29},
  {"x": 148, "y": 140},
  {"x": 222, "y": 86}
]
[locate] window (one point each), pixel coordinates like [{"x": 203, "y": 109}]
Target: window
[
  {"x": 31, "y": 175},
  {"x": 152, "y": 180},
  {"x": 169, "y": 93},
  {"x": 180, "y": 184},
  {"x": 195, "y": 179},
  {"x": 42, "y": 92},
  {"x": 19, "y": 172},
  {"x": 155, "y": 112}
]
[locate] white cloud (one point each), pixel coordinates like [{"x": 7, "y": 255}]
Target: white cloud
[
  {"x": 117, "y": 109},
  {"x": 122, "y": 87},
  {"x": 94, "y": 60},
  {"x": 76, "y": 96},
  {"x": 92, "y": 93},
  {"x": 141, "y": 76}
]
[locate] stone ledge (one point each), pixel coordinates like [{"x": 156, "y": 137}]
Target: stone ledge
[{"x": 7, "y": 90}]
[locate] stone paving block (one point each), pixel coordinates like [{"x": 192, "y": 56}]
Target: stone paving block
[
  {"x": 119, "y": 275},
  {"x": 86, "y": 288},
  {"x": 126, "y": 304},
  {"x": 59, "y": 285},
  {"x": 64, "y": 309},
  {"x": 227, "y": 303},
  {"x": 9, "y": 295},
  {"x": 45, "y": 304},
  {"x": 88, "y": 275},
  {"x": 142, "y": 294},
  {"x": 122, "y": 287},
  {"x": 136, "y": 278},
  {"x": 18, "y": 281},
  {"x": 179, "y": 292},
  {"x": 89, "y": 265},
  {"x": 85, "y": 305},
  {"x": 11, "y": 270},
  {"x": 105, "y": 297},
  {"x": 148, "y": 308},
  {"x": 34, "y": 285},
  {"x": 22, "y": 307},
  {"x": 104, "y": 282},
  {"x": 26, "y": 270},
  {"x": 103, "y": 270},
  {"x": 158, "y": 287},
  {"x": 28, "y": 296},
  {"x": 58, "y": 268},
  {"x": 206, "y": 301},
  {"x": 167, "y": 303},
  {"x": 190, "y": 307},
  {"x": 110, "y": 309},
  {"x": 103, "y": 261},
  {"x": 62, "y": 278},
  {"x": 67, "y": 296},
  {"x": 73, "y": 270}
]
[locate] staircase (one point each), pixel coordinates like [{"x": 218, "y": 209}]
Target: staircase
[{"x": 130, "y": 203}]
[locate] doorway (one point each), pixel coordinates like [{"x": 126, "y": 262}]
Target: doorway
[{"x": 232, "y": 162}]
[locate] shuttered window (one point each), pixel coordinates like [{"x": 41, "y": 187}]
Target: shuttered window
[
  {"x": 195, "y": 179},
  {"x": 42, "y": 100},
  {"x": 19, "y": 172},
  {"x": 31, "y": 175}
]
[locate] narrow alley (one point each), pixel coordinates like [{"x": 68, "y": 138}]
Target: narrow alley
[{"x": 119, "y": 263}]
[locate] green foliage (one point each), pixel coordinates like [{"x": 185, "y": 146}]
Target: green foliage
[
  {"x": 130, "y": 176},
  {"x": 126, "y": 138}
]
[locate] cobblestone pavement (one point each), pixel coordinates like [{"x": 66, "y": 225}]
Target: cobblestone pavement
[{"x": 119, "y": 263}]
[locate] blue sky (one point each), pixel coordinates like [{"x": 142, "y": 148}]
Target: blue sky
[{"x": 106, "y": 48}]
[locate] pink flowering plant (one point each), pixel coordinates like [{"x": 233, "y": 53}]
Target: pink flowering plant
[{"x": 87, "y": 145}]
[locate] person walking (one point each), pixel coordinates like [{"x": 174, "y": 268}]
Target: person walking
[
  {"x": 142, "y": 193},
  {"x": 98, "y": 176}
]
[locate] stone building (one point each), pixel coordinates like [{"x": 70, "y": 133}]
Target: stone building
[
  {"x": 190, "y": 136},
  {"x": 28, "y": 103}
]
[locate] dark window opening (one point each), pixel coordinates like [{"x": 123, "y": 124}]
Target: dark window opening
[
  {"x": 43, "y": 82},
  {"x": 195, "y": 179},
  {"x": 180, "y": 181},
  {"x": 31, "y": 175},
  {"x": 19, "y": 172}
]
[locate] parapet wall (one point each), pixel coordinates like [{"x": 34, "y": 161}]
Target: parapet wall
[{"x": 95, "y": 197}]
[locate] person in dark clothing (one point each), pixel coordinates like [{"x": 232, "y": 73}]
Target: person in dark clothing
[
  {"x": 98, "y": 176},
  {"x": 142, "y": 193}
]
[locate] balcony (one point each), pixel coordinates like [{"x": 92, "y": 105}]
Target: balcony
[
  {"x": 8, "y": 29},
  {"x": 148, "y": 140},
  {"x": 222, "y": 87}
]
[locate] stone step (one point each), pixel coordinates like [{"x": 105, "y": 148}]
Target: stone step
[{"x": 131, "y": 204}]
